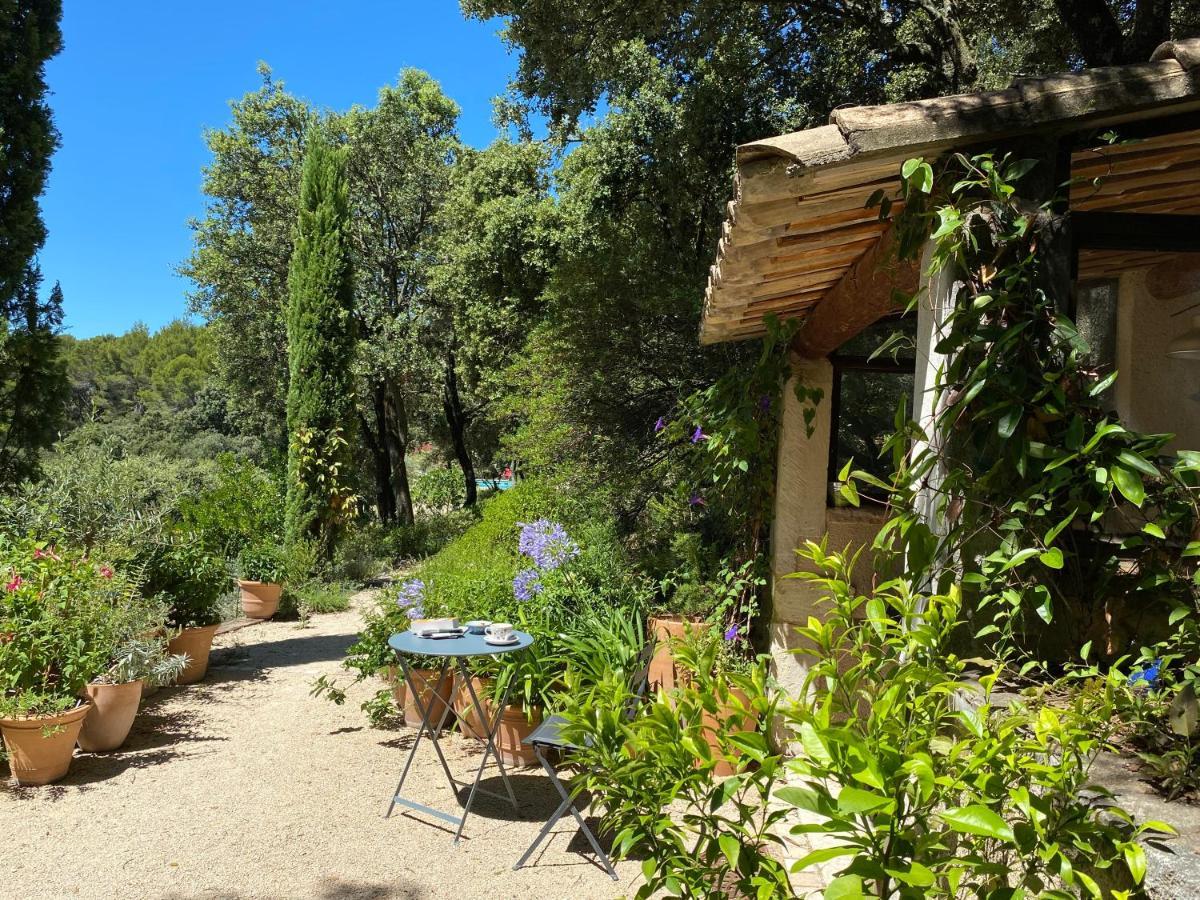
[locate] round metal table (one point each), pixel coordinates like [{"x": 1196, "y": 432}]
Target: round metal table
[{"x": 456, "y": 651}]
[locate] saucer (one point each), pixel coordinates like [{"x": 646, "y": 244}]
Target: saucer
[{"x": 488, "y": 639}]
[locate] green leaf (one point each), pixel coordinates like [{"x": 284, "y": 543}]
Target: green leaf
[
  {"x": 856, "y": 800},
  {"x": 1154, "y": 530},
  {"x": 977, "y": 819},
  {"x": 844, "y": 887},
  {"x": 731, "y": 847},
  {"x": 816, "y": 857},
  {"x": 1052, "y": 558},
  {"x": 1135, "y": 859},
  {"x": 813, "y": 746},
  {"x": 1129, "y": 484}
]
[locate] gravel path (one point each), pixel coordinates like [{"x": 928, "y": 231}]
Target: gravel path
[{"x": 244, "y": 786}]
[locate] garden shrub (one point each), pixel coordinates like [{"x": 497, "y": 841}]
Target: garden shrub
[
  {"x": 190, "y": 578},
  {"x": 242, "y": 506},
  {"x": 439, "y": 490},
  {"x": 920, "y": 780},
  {"x": 63, "y": 618},
  {"x": 96, "y": 497}
]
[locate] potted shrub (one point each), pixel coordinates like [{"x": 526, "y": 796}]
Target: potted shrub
[
  {"x": 689, "y": 604},
  {"x": 261, "y": 572},
  {"x": 716, "y": 662},
  {"x": 191, "y": 582},
  {"x": 531, "y": 679},
  {"x": 56, "y": 627},
  {"x": 140, "y": 657}
]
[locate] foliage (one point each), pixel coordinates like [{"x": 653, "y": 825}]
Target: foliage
[
  {"x": 320, "y": 499},
  {"x": 321, "y": 597},
  {"x": 242, "y": 506},
  {"x": 265, "y": 562},
  {"x": 61, "y": 618},
  {"x": 438, "y": 489},
  {"x": 188, "y": 578},
  {"x": 926, "y": 784},
  {"x": 32, "y": 384},
  {"x": 652, "y": 775},
  {"x": 96, "y": 497},
  {"x": 1054, "y": 511}
]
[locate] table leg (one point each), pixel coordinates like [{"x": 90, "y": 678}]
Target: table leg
[
  {"x": 489, "y": 750},
  {"x": 426, "y": 711}
]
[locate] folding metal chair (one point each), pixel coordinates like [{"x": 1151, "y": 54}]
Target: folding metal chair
[{"x": 548, "y": 736}]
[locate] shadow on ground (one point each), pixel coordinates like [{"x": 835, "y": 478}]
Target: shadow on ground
[{"x": 330, "y": 889}]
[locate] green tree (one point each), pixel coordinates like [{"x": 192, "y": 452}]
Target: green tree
[
  {"x": 32, "y": 392},
  {"x": 243, "y": 247},
  {"x": 496, "y": 245},
  {"x": 33, "y": 386},
  {"x": 321, "y": 347}
]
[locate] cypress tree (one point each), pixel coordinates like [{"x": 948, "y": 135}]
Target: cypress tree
[
  {"x": 32, "y": 381},
  {"x": 321, "y": 345}
]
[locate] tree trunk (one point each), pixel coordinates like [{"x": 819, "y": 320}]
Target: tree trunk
[
  {"x": 456, "y": 419},
  {"x": 385, "y": 503},
  {"x": 395, "y": 439}
]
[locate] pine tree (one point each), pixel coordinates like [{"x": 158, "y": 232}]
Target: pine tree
[
  {"x": 33, "y": 385},
  {"x": 321, "y": 345},
  {"x": 32, "y": 379}
]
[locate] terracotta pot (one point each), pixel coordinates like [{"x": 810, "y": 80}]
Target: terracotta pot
[
  {"x": 114, "y": 707},
  {"x": 424, "y": 680},
  {"x": 35, "y": 758},
  {"x": 260, "y": 599},
  {"x": 149, "y": 688},
  {"x": 727, "y": 720},
  {"x": 392, "y": 677},
  {"x": 514, "y": 727},
  {"x": 663, "y": 672},
  {"x": 469, "y": 723},
  {"x": 197, "y": 644}
]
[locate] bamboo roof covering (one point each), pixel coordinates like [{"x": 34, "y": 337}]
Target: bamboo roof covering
[{"x": 799, "y": 224}]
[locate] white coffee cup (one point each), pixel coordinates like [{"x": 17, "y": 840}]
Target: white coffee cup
[{"x": 501, "y": 632}]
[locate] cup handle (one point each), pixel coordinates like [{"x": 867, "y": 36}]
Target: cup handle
[{"x": 487, "y": 630}]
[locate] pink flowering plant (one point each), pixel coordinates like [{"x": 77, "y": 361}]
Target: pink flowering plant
[{"x": 62, "y": 614}]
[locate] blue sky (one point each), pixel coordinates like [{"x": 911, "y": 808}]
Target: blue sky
[{"x": 138, "y": 82}]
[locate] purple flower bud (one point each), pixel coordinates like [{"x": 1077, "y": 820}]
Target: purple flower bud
[
  {"x": 698, "y": 435},
  {"x": 696, "y": 499},
  {"x": 660, "y": 425},
  {"x": 764, "y": 402},
  {"x": 731, "y": 633}
]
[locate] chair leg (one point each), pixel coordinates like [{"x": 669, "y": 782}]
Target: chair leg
[{"x": 566, "y": 804}]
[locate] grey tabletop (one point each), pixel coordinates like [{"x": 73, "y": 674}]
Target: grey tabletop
[{"x": 467, "y": 645}]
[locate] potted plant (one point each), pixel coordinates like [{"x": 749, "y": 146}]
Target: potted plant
[
  {"x": 684, "y": 612},
  {"x": 56, "y": 625},
  {"x": 191, "y": 582},
  {"x": 140, "y": 656},
  {"x": 261, "y": 571},
  {"x": 530, "y": 679},
  {"x": 716, "y": 663}
]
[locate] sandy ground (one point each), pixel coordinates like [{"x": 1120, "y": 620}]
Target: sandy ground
[{"x": 244, "y": 786}]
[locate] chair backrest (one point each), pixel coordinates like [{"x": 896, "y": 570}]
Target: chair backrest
[{"x": 639, "y": 678}]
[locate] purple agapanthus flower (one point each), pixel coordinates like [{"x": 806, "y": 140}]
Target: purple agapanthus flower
[
  {"x": 698, "y": 435},
  {"x": 696, "y": 500},
  {"x": 1148, "y": 676},
  {"x": 731, "y": 632},
  {"x": 546, "y": 543},
  {"x": 764, "y": 402},
  {"x": 527, "y": 584},
  {"x": 411, "y": 594},
  {"x": 660, "y": 425}
]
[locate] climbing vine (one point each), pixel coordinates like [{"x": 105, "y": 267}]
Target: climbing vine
[{"x": 1050, "y": 509}]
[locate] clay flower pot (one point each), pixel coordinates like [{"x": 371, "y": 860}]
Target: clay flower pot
[
  {"x": 197, "y": 644},
  {"x": 471, "y": 726},
  {"x": 35, "y": 756},
  {"x": 424, "y": 680},
  {"x": 391, "y": 675},
  {"x": 514, "y": 727},
  {"x": 114, "y": 707},
  {"x": 260, "y": 599},
  {"x": 727, "y": 720},
  {"x": 663, "y": 672}
]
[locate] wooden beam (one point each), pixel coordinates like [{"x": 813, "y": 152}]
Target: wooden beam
[
  {"x": 863, "y": 295},
  {"x": 1136, "y": 231}
]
